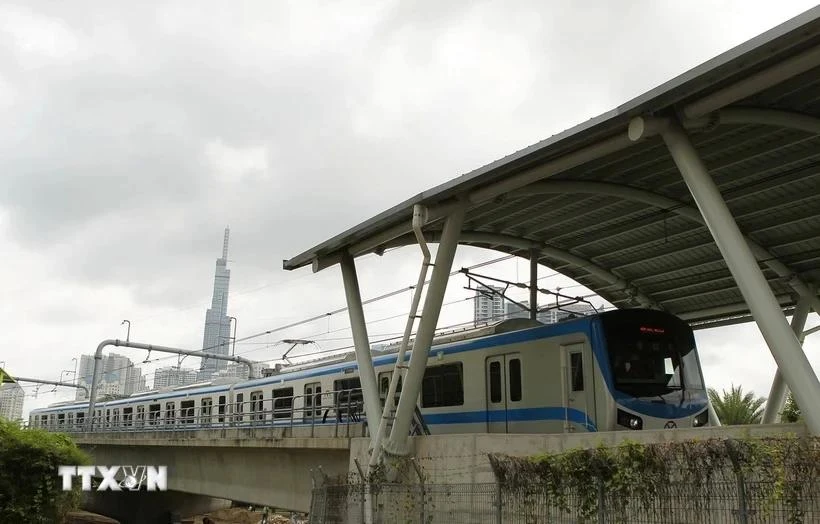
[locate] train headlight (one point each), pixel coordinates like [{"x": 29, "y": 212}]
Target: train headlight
[
  {"x": 629, "y": 420},
  {"x": 701, "y": 420}
]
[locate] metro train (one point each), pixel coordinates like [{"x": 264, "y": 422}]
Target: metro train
[{"x": 628, "y": 369}]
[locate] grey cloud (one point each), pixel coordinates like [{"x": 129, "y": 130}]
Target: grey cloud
[{"x": 110, "y": 172}]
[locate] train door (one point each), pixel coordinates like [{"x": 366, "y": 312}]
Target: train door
[
  {"x": 578, "y": 387},
  {"x": 504, "y": 391}
]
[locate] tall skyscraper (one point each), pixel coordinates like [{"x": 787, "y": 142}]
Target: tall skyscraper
[
  {"x": 488, "y": 305},
  {"x": 217, "y": 323}
]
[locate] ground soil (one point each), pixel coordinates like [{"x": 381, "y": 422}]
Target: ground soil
[
  {"x": 84, "y": 517},
  {"x": 237, "y": 516}
]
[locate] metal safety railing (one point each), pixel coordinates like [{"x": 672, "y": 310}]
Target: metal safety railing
[{"x": 339, "y": 409}]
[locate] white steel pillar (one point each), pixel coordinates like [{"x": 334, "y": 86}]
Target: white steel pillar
[
  {"x": 534, "y": 284},
  {"x": 367, "y": 375},
  {"x": 777, "y": 396},
  {"x": 765, "y": 309},
  {"x": 397, "y": 443}
]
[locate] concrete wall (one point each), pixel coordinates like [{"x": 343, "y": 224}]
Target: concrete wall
[
  {"x": 463, "y": 458},
  {"x": 268, "y": 471}
]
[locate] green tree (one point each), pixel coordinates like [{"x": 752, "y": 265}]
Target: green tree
[
  {"x": 734, "y": 407},
  {"x": 30, "y": 489},
  {"x": 791, "y": 412}
]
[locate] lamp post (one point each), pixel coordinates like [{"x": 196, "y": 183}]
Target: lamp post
[
  {"x": 128, "y": 333},
  {"x": 233, "y": 349}
]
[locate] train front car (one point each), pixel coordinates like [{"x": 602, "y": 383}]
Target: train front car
[{"x": 652, "y": 370}]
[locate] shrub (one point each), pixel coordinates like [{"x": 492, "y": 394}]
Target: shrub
[{"x": 30, "y": 489}]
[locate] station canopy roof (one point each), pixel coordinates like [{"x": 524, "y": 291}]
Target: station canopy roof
[{"x": 615, "y": 214}]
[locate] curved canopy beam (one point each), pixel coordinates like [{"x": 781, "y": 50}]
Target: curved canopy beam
[
  {"x": 594, "y": 269},
  {"x": 759, "y": 116},
  {"x": 669, "y": 204}
]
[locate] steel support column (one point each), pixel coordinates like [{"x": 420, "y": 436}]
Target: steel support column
[
  {"x": 397, "y": 443},
  {"x": 765, "y": 309},
  {"x": 534, "y": 284},
  {"x": 777, "y": 396},
  {"x": 714, "y": 420},
  {"x": 361, "y": 342}
]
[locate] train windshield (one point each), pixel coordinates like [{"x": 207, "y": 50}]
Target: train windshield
[{"x": 651, "y": 353}]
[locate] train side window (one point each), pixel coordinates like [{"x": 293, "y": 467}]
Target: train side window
[
  {"x": 240, "y": 398},
  {"x": 70, "y": 419},
  {"x": 206, "y": 407},
  {"x": 140, "y": 415},
  {"x": 349, "y": 399},
  {"x": 443, "y": 386},
  {"x": 60, "y": 419},
  {"x": 186, "y": 411},
  {"x": 514, "y": 367},
  {"x": 495, "y": 381},
  {"x": 313, "y": 400},
  {"x": 43, "y": 420},
  {"x": 127, "y": 416},
  {"x": 221, "y": 408},
  {"x": 153, "y": 414},
  {"x": 169, "y": 412},
  {"x": 257, "y": 402},
  {"x": 576, "y": 364},
  {"x": 384, "y": 384},
  {"x": 80, "y": 418},
  {"x": 282, "y": 402}
]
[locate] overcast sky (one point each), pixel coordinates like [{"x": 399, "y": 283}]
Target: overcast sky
[{"x": 133, "y": 133}]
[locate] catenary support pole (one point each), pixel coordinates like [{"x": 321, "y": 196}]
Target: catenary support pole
[
  {"x": 777, "y": 395},
  {"x": 763, "y": 305},
  {"x": 364, "y": 359},
  {"x": 397, "y": 443},
  {"x": 95, "y": 380},
  {"x": 52, "y": 383},
  {"x": 534, "y": 284}
]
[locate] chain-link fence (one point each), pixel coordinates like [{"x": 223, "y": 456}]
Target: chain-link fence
[{"x": 679, "y": 503}]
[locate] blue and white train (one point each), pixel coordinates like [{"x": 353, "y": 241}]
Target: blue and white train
[{"x": 627, "y": 369}]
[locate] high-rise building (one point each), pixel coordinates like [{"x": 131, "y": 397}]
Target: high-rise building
[
  {"x": 238, "y": 370},
  {"x": 488, "y": 305},
  {"x": 513, "y": 310},
  {"x": 552, "y": 315},
  {"x": 117, "y": 376},
  {"x": 172, "y": 376},
  {"x": 11, "y": 401},
  {"x": 217, "y": 334}
]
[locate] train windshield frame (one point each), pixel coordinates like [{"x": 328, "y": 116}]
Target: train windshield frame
[{"x": 651, "y": 354}]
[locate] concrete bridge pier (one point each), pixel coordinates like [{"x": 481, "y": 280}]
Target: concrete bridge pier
[{"x": 143, "y": 507}]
